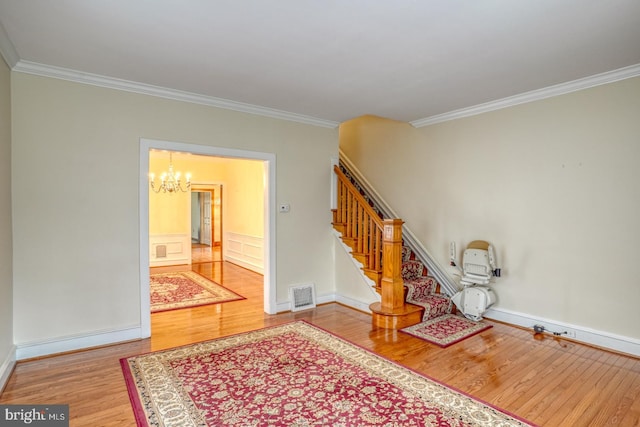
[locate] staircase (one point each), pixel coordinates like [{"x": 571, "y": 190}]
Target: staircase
[{"x": 409, "y": 295}]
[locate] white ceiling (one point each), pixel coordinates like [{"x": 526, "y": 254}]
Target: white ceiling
[{"x": 330, "y": 60}]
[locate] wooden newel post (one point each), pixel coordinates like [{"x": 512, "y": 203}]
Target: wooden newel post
[{"x": 392, "y": 283}]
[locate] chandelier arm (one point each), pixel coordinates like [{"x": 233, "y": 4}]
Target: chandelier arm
[
  {"x": 153, "y": 187},
  {"x": 170, "y": 182}
]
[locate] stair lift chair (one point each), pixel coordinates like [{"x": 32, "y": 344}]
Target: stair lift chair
[{"x": 478, "y": 267}]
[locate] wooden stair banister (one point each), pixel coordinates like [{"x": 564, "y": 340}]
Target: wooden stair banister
[
  {"x": 392, "y": 284},
  {"x": 361, "y": 227},
  {"x": 377, "y": 244}
]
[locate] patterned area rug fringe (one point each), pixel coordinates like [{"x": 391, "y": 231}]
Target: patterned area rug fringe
[
  {"x": 293, "y": 374},
  {"x": 172, "y": 291},
  {"x": 446, "y": 330}
]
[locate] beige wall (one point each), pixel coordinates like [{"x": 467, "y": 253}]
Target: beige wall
[
  {"x": 6, "y": 250},
  {"x": 76, "y": 172},
  {"x": 553, "y": 184},
  {"x": 352, "y": 287}
]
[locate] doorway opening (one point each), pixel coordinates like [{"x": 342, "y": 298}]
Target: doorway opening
[
  {"x": 206, "y": 223},
  {"x": 269, "y": 253}
]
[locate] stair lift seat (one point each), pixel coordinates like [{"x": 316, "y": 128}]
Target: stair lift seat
[
  {"x": 421, "y": 290},
  {"x": 474, "y": 301},
  {"x": 476, "y": 269},
  {"x": 478, "y": 266}
]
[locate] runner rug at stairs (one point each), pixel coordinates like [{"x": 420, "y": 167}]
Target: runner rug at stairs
[
  {"x": 171, "y": 291},
  {"x": 292, "y": 375},
  {"x": 446, "y": 330}
]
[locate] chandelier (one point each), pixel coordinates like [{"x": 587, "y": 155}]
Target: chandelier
[{"x": 170, "y": 181}]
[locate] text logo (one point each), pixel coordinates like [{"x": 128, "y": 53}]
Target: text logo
[{"x": 34, "y": 415}]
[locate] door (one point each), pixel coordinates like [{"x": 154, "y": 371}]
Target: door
[{"x": 205, "y": 237}]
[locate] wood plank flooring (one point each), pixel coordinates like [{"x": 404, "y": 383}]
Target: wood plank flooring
[
  {"x": 205, "y": 253},
  {"x": 549, "y": 381}
]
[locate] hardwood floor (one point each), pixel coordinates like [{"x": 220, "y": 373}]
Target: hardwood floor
[
  {"x": 549, "y": 381},
  {"x": 205, "y": 253}
]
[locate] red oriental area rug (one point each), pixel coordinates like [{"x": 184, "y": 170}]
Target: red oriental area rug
[
  {"x": 446, "y": 330},
  {"x": 171, "y": 291},
  {"x": 292, "y": 375}
]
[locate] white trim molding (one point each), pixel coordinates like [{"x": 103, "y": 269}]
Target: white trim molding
[
  {"x": 355, "y": 304},
  {"x": 269, "y": 239},
  {"x": 76, "y": 342},
  {"x": 534, "y": 95},
  {"x": 357, "y": 264},
  {"x": 581, "y": 334},
  {"x": 331, "y": 298},
  {"x": 370, "y": 284},
  {"x": 285, "y": 306},
  {"x": 6, "y": 367},
  {"x": 37, "y": 69}
]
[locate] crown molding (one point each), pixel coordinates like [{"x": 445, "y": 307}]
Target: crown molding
[
  {"x": 11, "y": 57},
  {"x": 534, "y": 95},
  {"x": 28, "y": 67},
  {"x": 7, "y": 50}
]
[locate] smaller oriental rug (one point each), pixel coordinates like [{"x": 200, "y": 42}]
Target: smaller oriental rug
[
  {"x": 292, "y": 375},
  {"x": 171, "y": 291},
  {"x": 446, "y": 330}
]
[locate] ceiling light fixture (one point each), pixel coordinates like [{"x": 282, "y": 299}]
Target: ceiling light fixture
[{"x": 170, "y": 181}]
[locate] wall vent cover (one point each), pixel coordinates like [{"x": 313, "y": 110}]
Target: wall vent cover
[
  {"x": 302, "y": 297},
  {"x": 161, "y": 251}
]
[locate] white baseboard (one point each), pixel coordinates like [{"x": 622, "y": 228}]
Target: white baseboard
[
  {"x": 78, "y": 342},
  {"x": 355, "y": 304},
  {"x": 244, "y": 264},
  {"x": 328, "y": 298},
  {"x": 320, "y": 299},
  {"x": 7, "y": 367},
  {"x": 582, "y": 334}
]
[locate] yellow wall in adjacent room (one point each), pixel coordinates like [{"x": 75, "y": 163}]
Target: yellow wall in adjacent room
[
  {"x": 243, "y": 189},
  {"x": 244, "y": 198},
  {"x": 169, "y": 213}
]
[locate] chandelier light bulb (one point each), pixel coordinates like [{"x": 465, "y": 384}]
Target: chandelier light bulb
[{"x": 170, "y": 181}]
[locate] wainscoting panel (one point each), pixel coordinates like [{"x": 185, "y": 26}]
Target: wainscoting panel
[
  {"x": 169, "y": 249},
  {"x": 245, "y": 251}
]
